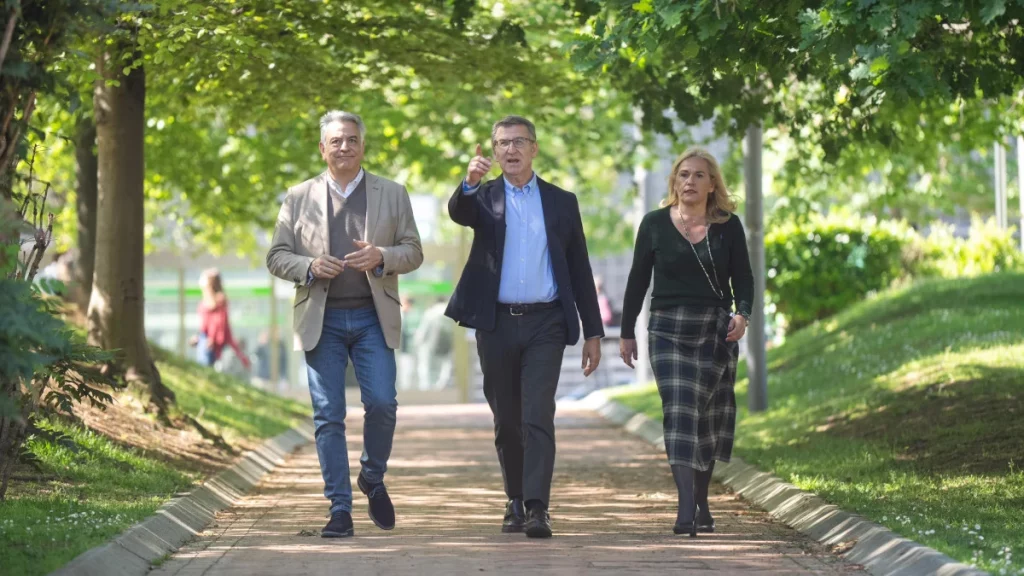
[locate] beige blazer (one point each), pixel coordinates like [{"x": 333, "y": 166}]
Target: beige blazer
[{"x": 302, "y": 234}]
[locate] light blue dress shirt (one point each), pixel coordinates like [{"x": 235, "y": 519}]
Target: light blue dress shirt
[{"x": 526, "y": 273}]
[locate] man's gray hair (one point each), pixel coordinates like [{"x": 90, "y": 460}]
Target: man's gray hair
[
  {"x": 341, "y": 116},
  {"x": 513, "y": 120}
]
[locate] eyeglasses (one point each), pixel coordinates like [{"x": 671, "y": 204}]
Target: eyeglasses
[{"x": 519, "y": 143}]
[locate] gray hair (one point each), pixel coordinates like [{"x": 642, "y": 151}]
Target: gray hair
[
  {"x": 341, "y": 116},
  {"x": 513, "y": 120}
]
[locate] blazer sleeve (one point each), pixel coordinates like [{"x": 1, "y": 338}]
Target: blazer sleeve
[
  {"x": 407, "y": 253},
  {"x": 582, "y": 276},
  {"x": 282, "y": 261},
  {"x": 464, "y": 208}
]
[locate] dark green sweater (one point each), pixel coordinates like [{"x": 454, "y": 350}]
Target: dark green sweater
[{"x": 678, "y": 278}]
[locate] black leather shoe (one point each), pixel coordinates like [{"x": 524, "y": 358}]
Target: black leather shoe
[
  {"x": 515, "y": 516},
  {"x": 538, "y": 523},
  {"x": 685, "y": 528},
  {"x": 382, "y": 512},
  {"x": 705, "y": 522},
  {"x": 340, "y": 526}
]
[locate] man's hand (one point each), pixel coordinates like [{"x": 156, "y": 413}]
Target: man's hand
[
  {"x": 478, "y": 167},
  {"x": 737, "y": 328},
  {"x": 627, "y": 351},
  {"x": 326, "y": 266},
  {"x": 366, "y": 258},
  {"x": 591, "y": 356}
]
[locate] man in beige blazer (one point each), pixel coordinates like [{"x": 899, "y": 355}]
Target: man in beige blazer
[{"x": 343, "y": 238}]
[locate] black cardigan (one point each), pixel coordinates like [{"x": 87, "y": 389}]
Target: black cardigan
[{"x": 678, "y": 277}]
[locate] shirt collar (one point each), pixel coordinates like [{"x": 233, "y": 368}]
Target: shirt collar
[
  {"x": 529, "y": 189},
  {"x": 344, "y": 192}
]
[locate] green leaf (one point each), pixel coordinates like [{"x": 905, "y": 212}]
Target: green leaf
[
  {"x": 860, "y": 71},
  {"x": 879, "y": 65},
  {"x": 691, "y": 49},
  {"x": 644, "y": 7},
  {"x": 993, "y": 9},
  {"x": 671, "y": 13}
]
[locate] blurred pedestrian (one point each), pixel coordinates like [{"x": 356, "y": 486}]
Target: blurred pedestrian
[
  {"x": 603, "y": 304},
  {"x": 214, "y": 323}
]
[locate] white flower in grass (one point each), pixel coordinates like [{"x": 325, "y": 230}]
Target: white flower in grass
[{"x": 977, "y": 526}]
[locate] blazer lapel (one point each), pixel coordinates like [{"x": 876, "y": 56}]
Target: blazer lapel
[
  {"x": 547, "y": 202},
  {"x": 373, "y": 200},
  {"x": 319, "y": 191},
  {"x": 497, "y": 191}
]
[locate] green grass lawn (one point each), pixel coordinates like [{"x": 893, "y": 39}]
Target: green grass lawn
[
  {"x": 908, "y": 409},
  {"x": 93, "y": 488}
]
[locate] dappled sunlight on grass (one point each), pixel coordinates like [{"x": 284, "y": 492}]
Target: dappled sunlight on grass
[
  {"x": 88, "y": 485},
  {"x": 230, "y": 406},
  {"x": 909, "y": 409}
]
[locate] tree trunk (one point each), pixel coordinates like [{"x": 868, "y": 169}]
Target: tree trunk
[
  {"x": 86, "y": 172},
  {"x": 116, "y": 311},
  {"x": 12, "y": 434}
]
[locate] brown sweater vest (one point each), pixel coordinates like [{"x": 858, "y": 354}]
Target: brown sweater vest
[{"x": 350, "y": 289}]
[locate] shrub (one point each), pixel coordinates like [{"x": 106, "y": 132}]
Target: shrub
[
  {"x": 817, "y": 268},
  {"x": 987, "y": 249}
]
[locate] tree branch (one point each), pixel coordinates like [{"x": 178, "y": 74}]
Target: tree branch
[{"x": 12, "y": 19}]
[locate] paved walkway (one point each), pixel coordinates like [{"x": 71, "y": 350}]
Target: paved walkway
[{"x": 613, "y": 506}]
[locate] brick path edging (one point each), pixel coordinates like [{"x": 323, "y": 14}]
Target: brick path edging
[
  {"x": 881, "y": 551},
  {"x": 179, "y": 520}
]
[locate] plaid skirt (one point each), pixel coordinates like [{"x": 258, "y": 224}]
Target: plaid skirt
[{"x": 695, "y": 369}]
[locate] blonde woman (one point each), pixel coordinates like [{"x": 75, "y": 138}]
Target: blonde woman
[{"x": 697, "y": 250}]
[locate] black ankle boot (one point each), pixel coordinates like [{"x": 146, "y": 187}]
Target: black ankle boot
[
  {"x": 702, "y": 483},
  {"x": 686, "y": 517}
]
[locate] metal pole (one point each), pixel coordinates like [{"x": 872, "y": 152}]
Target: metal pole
[
  {"x": 757, "y": 390},
  {"x": 641, "y": 207},
  {"x": 182, "y": 335},
  {"x": 1000, "y": 184},
  {"x": 1020, "y": 187},
  {"x": 274, "y": 340}
]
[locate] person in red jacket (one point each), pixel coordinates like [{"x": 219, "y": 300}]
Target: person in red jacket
[{"x": 214, "y": 326}]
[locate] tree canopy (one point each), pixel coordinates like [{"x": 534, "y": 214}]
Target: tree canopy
[
  {"x": 896, "y": 86},
  {"x": 234, "y": 92}
]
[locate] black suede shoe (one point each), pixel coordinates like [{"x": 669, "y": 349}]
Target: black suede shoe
[
  {"x": 705, "y": 522},
  {"x": 515, "y": 516},
  {"x": 340, "y": 526},
  {"x": 382, "y": 512},
  {"x": 538, "y": 523}
]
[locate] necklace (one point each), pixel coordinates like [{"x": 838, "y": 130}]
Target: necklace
[{"x": 686, "y": 234}]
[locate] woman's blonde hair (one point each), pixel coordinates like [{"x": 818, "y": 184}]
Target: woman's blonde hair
[{"x": 721, "y": 204}]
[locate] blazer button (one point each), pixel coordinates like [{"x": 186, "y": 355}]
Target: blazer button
[{"x": 325, "y": 288}]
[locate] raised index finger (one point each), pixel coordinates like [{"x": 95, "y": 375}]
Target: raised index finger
[{"x": 479, "y": 150}]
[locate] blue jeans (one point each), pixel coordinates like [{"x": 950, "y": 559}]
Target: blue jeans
[
  {"x": 352, "y": 334},
  {"x": 204, "y": 355}
]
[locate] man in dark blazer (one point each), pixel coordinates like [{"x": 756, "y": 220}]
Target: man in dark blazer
[{"x": 525, "y": 288}]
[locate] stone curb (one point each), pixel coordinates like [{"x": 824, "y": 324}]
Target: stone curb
[
  {"x": 881, "y": 551},
  {"x": 134, "y": 551}
]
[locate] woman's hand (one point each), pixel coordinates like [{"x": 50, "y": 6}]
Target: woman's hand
[
  {"x": 737, "y": 328},
  {"x": 627, "y": 350}
]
